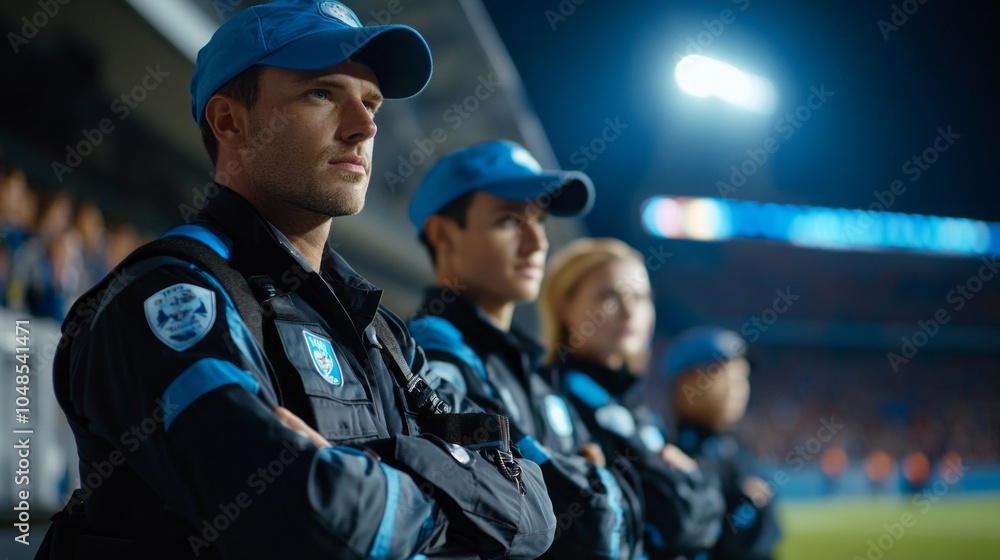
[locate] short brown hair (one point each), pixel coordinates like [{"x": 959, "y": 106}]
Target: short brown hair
[{"x": 243, "y": 88}]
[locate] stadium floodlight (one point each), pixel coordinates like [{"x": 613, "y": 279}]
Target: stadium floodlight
[{"x": 702, "y": 76}]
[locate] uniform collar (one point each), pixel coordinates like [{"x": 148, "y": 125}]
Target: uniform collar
[
  {"x": 617, "y": 382},
  {"x": 477, "y": 329},
  {"x": 259, "y": 248}
]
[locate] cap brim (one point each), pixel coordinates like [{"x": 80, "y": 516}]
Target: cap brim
[
  {"x": 397, "y": 54},
  {"x": 560, "y": 193}
]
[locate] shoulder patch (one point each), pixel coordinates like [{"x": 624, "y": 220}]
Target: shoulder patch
[
  {"x": 181, "y": 315},
  {"x": 440, "y": 371},
  {"x": 323, "y": 357}
]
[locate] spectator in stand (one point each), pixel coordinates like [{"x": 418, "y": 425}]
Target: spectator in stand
[
  {"x": 15, "y": 223},
  {"x": 46, "y": 270},
  {"x": 89, "y": 222}
]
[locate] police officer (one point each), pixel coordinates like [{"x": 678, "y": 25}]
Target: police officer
[
  {"x": 598, "y": 316},
  {"x": 709, "y": 372},
  {"x": 480, "y": 211},
  {"x": 170, "y": 370}
]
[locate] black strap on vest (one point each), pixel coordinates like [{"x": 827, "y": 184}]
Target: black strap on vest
[{"x": 421, "y": 396}]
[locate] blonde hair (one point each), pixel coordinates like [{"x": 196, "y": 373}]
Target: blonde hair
[{"x": 566, "y": 271}]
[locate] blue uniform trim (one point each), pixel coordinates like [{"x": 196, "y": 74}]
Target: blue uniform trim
[
  {"x": 654, "y": 536},
  {"x": 382, "y": 545},
  {"x": 427, "y": 529},
  {"x": 215, "y": 242},
  {"x": 202, "y": 377},
  {"x": 437, "y": 334},
  {"x": 586, "y": 389},
  {"x": 533, "y": 451},
  {"x": 614, "y": 499},
  {"x": 744, "y": 516},
  {"x": 239, "y": 332}
]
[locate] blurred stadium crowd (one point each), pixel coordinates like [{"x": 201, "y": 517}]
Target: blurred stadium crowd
[{"x": 54, "y": 246}]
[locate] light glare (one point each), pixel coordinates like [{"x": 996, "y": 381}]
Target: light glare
[{"x": 702, "y": 76}]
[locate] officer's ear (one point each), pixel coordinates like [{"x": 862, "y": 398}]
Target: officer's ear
[
  {"x": 228, "y": 119},
  {"x": 440, "y": 232}
]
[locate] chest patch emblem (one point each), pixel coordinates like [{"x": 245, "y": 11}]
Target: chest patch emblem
[
  {"x": 558, "y": 415},
  {"x": 180, "y": 315},
  {"x": 323, "y": 358},
  {"x": 616, "y": 418}
]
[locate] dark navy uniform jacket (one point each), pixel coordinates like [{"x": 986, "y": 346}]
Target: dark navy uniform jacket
[
  {"x": 749, "y": 532},
  {"x": 171, "y": 403},
  {"x": 683, "y": 510},
  {"x": 470, "y": 358}
]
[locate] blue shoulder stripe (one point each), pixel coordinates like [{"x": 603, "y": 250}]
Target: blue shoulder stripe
[
  {"x": 435, "y": 333},
  {"x": 583, "y": 387},
  {"x": 204, "y": 376},
  {"x": 219, "y": 244},
  {"x": 533, "y": 451}
]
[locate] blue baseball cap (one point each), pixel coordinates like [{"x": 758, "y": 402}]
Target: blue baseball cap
[
  {"x": 702, "y": 346},
  {"x": 503, "y": 169},
  {"x": 309, "y": 35}
]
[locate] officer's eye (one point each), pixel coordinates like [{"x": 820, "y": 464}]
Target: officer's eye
[
  {"x": 510, "y": 220},
  {"x": 320, "y": 94}
]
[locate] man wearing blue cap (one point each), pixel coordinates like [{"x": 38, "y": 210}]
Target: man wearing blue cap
[
  {"x": 243, "y": 394},
  {"x": 709, "y": 371},
  {"x": 480, "y": 212}
]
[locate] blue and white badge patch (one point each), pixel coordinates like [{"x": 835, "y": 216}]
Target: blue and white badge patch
[
  {"x": 510, "y": 405},
  {"x": 616, "y": 418},
  {"x": 323, "y": 358},
  {"x": 339, "y": 12},
  {"x": 652, "y": 438},
  {"x": 558, "y": 416},
  {"x": 180, "y": 315}
]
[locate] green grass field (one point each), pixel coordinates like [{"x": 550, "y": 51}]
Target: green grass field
[{"x": 966, "y": 528}]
